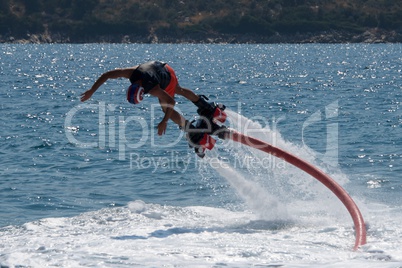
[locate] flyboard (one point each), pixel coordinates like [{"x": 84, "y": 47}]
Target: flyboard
[{"x": 212, "y": 126}]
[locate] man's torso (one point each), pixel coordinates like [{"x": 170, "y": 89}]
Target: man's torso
[{"x": 154, "y": 73}]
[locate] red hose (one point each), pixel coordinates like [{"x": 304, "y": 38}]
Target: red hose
[{"x": 316, "y": 173}]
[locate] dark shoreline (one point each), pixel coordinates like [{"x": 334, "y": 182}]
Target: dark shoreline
[{"x": 370, "y": 36}]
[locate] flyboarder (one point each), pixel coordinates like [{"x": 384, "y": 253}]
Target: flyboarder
[{"x": 159, "y": 79}]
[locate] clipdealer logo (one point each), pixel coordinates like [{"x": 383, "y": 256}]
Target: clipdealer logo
[
  {"x": 112, "y": 129},
  {"x": 112, "y": 133}
]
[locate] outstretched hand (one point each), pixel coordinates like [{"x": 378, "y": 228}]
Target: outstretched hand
[
  {"x": 86, "y": 95},
  {"x": 162, "y": 128}
]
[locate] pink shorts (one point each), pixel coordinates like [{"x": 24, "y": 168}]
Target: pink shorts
[{"x": 171, "y": 88}]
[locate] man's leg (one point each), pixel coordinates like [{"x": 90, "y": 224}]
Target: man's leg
[
  {"x": 210, "y": 111},
  {"x": 197, "y": 139},
  {"x": 187, "y": 93},
  {"x": 176, "y": 117},
  {"x": 204, "y": 108}
]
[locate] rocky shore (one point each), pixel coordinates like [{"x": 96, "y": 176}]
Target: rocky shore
[{"x": 370, "y": 36}]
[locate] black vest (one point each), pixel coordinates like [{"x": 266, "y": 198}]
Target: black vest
[{"x": 151, "y": 74}]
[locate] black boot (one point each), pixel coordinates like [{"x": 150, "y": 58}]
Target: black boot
[
  {"x": 210, "y": 110},
  {"x": 198, "y": 138}
]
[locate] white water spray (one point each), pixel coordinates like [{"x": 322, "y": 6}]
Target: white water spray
[
  {"x": 270, "y": 187},
  {"x": 266, "y": 206}
]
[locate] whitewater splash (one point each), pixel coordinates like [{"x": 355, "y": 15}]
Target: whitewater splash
[
  {"x": 272, "y": 188},
  {"x": 266, "y": 206},
  {"x": 291, "y": 221}
]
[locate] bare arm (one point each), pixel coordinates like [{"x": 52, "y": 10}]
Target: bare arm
[
  {"x": 113, "y": 74},
  {"x": 167, "y": 103}
]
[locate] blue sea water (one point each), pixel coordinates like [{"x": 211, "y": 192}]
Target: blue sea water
[{"x": 63, "y": 161}]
